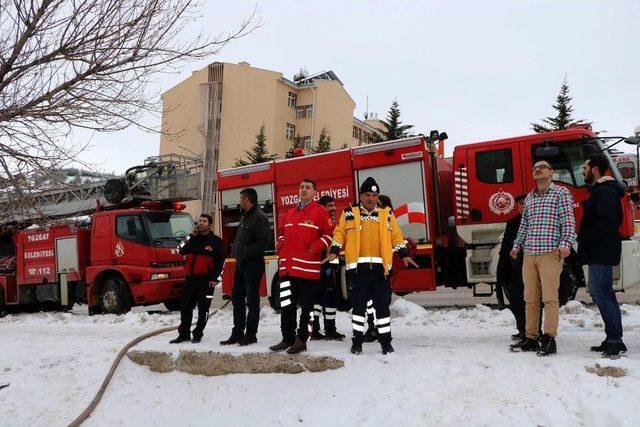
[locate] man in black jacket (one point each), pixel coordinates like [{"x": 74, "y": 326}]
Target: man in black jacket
[
  {"x": 204, "y": 258},
  {"x": 510, "y": 270},
  {"x": 252, "y": 239},
  {"x": 599, "y": 247}
]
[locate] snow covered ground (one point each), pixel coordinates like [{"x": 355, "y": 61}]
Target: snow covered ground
[{"x": 451, "y": 367}]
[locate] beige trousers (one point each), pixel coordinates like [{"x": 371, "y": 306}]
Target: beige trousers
[{"x": 541, "y": 276}]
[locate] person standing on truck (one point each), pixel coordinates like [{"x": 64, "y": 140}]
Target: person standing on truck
[
  {"x": 305, "y": 233},
  {"x": 204, "y": 258},
  {"x": 252, "y": 240},
  {"x": 600, "y": 246},
  {"x": 546, "y": 234},
  {"x": 369, "y": 235},
  {"x": 326, "y": 300},
  {"x": 510, "y": 270}
]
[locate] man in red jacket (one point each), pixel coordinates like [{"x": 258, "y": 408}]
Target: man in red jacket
[
  {"x": 304, "y": 235},
  {"x": 204, "y": 258}
]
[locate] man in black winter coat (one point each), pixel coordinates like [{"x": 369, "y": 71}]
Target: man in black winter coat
[
  {"x": 510, "y": 270},
  {"x": 204, "y": 258},
  {"x": 252, "y": 240},
  {"x": 599, "y": 247}
]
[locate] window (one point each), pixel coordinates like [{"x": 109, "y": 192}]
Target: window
[
  {"x": 308, "y": 144},
  {"x": 355, "y": 129},
  {"x": 309, "y": 111},
  {"x": 130, "y": 227},
  {"x": 292, "y": 100},
  {"x": 300, "y": 112},
  {"x": 291, "y": 131},
  {"x": 495, "y": 166},
  {"x": 627, "y": 170},
  {"x": 568, "y": 166}
]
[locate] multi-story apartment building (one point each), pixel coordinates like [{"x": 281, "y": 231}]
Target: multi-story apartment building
[{"x": 217, "y": 112}]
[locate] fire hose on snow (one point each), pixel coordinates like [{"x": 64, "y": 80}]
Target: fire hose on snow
[{"x": 98, "y": 396}]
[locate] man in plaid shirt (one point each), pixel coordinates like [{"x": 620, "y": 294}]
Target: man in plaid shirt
[{"x": 546, "y": 234}]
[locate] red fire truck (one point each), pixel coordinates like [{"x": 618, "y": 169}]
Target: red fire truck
[
  {"x": 124, "y": 254},
  {"x": 454, "y": 209}
]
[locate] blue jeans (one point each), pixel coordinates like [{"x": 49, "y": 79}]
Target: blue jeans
[{"x": 601, "y": 290}]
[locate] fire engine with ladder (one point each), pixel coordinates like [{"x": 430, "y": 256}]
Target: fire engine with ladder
[
  {"x": 111, "y": 244},
  {"x": 453, "y": 209}
]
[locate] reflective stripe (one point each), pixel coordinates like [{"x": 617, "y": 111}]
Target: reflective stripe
[
  {"x": 285, "y": 302},
  {"x": 328, "y": 316},
  {"x": 285, "y": 293},
  {"x": 384, "y": 330},
  {"x": 304, "y": 260},
  {"x": 317, "y": 307},
  {"x": 357, "y": 327},
  {"x": 357, "y": 318},
  {"x": 351, "y": 266},
  {"x": 288, "y": 225},
  {"x": 305, "y": 269},
  {"x": 285, "y": 284},
  {"x": 370, "y": 303},
  {"x": 371, "y": 310},
  {"x": 384, "y": 321},
  {"x": 370, "y": 259},
  {"x": 335, "y": 261},
  {"x": 302, "y": 224},
  {"x": 330, "y": 310}
]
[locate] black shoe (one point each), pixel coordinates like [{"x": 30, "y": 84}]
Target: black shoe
[
  {"x": 371, "y": 335},
  {"x": 281, "y": 346},
  {"x": 233, "y": 339},
  {"x": 179, "y": 339},
  {"x": 196, "y": 340},
  {"x": 603, "y": 347},
  {"x": 613, "y": 350},
  {"x": 297, "y": 347},
  {"x": 518, "y": 336},
  {"x": 387, "y": 348},
  {"x": 316, "y": 336},
  {"x": 334, "y": 336},
  {"x": 356, "y": 348},
  {"x": 547, "y": 345},
  {"x": 525, "y": 344},
  {"x": 248, "y": 339}
]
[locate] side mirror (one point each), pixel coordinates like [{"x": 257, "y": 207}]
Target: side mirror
[
  {"x": 632, "y": 140},
  {"x": 131, "y": 227}
]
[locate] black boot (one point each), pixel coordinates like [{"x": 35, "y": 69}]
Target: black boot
[
  {"x": 334, "y": 336},
  {"x": 371, "y": 335},
  {"x": 181, "y": 338},
  {"x": 297, "y": 347},
  {"x": 603, "y": 346},
  {"x": 518, "y": 336},
  {"x": 233, "y": 339},
  {"x": 316, "y": 336},
  {"x": 196, "y": 339},
  {"x": 387, "y": 348},
  {"x": 525, "y": 344},
  {"x": 356, "y": 348},
  {"x": 547, "y": 345},
  {"x": 248, "y": 339},
  {"x": 281, "y": 346},
  {"x": 613, "y": 350}
]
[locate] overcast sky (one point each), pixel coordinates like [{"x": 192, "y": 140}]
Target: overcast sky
[{"x": 477, "y": 70}]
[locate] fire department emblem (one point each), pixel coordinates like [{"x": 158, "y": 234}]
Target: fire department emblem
[
  {"x": 501, "y": 203},
  {"x": 119, "y": 250}
]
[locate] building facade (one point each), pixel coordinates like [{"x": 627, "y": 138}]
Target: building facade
[{"x": 217, "y": 112}]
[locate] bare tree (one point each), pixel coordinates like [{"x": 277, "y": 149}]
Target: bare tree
[{"x": 68, "y": 64}]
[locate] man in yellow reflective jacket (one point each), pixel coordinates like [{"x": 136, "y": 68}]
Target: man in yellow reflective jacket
[{"x": 369, "y": 235}]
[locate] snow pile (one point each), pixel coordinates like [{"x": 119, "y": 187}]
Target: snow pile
[{"x": 451, "y": 367}]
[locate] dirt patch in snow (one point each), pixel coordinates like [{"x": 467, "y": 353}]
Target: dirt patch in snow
[
  {"x": 212, "y": 363},
  {"x": 606, "y": 371}
]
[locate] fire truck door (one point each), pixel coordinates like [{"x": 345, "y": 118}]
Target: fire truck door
[
  {"x": 405, "y": 186},
  {"x": 494, "y": 180},
  {"x": 66, "y": 263}
]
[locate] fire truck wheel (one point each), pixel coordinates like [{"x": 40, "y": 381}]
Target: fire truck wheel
[
  {"x": 274, "y": 299},
  {"x": 172, "y": 304},
  {"x": 571, "y": 279},
  {"x": 114, "y": 298}
]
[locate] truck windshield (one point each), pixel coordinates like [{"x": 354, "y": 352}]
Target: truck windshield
[
  {"x": 612, "y": 166},
  {"x": 168, "y": 226}
]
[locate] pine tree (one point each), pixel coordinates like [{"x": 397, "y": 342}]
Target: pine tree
[
  {"x": 298, "y": 144},
  {"x": 324, "y": 142},
  {"x": 259, "y": 152},
  {"x": 563, "y": 119},
  {"x": 394, "y": 129}
]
